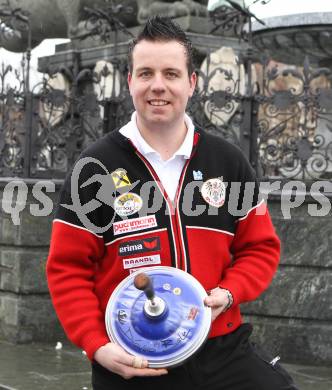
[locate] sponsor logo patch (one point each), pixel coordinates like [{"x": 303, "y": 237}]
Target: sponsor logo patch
[
  {"x": 120, "y": 178},
  {"x": 127, "y": 204},
  {"x": 139, "y": 246},
  {"x": 141, "y": 261},
  {"x": 213, "y": 192},
  {"x": 135, "y": 224}
]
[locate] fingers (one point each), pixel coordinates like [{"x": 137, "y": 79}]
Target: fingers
[
  {"x": 212, "y": 301},
  {"x": 142, "y": 366},
  {"x": 215, "y": 299},
  {"x": 130, "y": 360},
  {"x": 139, "y": 367},
  {"x": 117, "y": 360},
  {"x": 138, "y": 362},
  {"x": 131, "y": 371},
  {"x": 218, "y": 298}
]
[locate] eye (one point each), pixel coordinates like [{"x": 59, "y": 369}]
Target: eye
[
  {"x": 145, "y": 73},
  {"x": 171, "y": 75}
]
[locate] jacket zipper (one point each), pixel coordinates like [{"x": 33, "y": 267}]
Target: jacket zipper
[
  {"x": 178, "y": 244},
  {"x": 184, "y": 262},
  {"x": 177, "y": 219}
]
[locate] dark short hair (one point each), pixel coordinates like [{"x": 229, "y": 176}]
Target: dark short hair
[{"x": 162, "y": 29}]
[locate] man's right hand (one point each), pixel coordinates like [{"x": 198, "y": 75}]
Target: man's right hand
[{"x": 116, "y": 359}]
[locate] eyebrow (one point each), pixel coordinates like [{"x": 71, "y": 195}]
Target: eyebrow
[
  {"x": 143, "y": 68},
  {"x": 174, "y": 70},
  {"x": 165, "y": 70}
]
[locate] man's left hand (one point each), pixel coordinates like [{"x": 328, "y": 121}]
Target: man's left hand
[{"x": 218, "y": 300}]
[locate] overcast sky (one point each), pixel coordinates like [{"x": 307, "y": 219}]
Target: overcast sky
[
  {"x": 273, "y": 8},
  {"x": 287, "y": 7}
]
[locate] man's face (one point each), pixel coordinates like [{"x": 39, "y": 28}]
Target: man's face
[{"x": 159, "y": 84}]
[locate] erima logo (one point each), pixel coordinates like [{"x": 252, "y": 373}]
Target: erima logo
[
  {"x": 130, "y": 248},
  {"x": 139, "y": 246}
]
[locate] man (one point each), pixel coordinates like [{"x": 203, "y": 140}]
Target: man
[{"x": 233, "y": 256}]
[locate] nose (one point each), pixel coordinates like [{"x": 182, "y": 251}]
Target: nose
[{"x": 158, "y": 84}]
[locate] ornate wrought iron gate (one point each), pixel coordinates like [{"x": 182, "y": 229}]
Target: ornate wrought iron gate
[{"x": 281, "y": 116}]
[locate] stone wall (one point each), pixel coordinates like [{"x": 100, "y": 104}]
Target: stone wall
[
  {"x": 26, "y": 313},
  {"x": 292, "y": 318}
]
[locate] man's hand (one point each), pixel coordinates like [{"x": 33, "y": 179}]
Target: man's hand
[
  {"x": 219, "y": 301},
  {"x": 116, "y": 359}
]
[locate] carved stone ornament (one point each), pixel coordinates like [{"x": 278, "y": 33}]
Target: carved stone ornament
[
  {"x": 65, "y": 18},
  {"x": 52, "y": 19},
  {"x": 224, "y": 77}
]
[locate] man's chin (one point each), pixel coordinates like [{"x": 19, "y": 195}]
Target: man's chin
[{"x": 159, "y": 119}]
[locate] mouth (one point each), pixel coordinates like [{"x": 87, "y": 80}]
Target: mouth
[{"x": 158, "y": 102}]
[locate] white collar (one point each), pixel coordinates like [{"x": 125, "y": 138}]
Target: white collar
[{"x": 131, "y": 131}]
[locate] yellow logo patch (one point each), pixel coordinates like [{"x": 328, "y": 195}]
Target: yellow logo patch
[{"x": 120, "y": 178}]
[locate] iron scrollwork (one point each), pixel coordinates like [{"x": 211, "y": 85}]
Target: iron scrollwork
[
  {"x": 216, "y": 105},
  {"x": 12, "y": 121},
  {"x": 73, "y": 107},
  {"x": 280, "y": 115},
  {"x": 295, "y": 124}
]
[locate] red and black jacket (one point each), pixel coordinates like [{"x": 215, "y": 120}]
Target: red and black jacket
[{"x": 233, "y": 246}]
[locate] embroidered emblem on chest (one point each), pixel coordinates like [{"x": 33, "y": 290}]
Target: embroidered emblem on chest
[
  {"x": 198, "y": 175},
  {"x": 127, "y": 204},
  {"x": 213, "y": 192},
  {"x": 120, "y": 178}
]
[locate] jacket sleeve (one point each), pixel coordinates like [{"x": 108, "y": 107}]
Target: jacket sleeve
[
  {"x": 255, "y": 247},
  {"x": 256, "y": 252},
  {"x": 73, "y": 257}
]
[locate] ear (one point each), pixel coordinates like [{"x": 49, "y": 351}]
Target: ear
[
  {"x": 129, "y": 77},
  {"x": 193, "y": 81}
]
